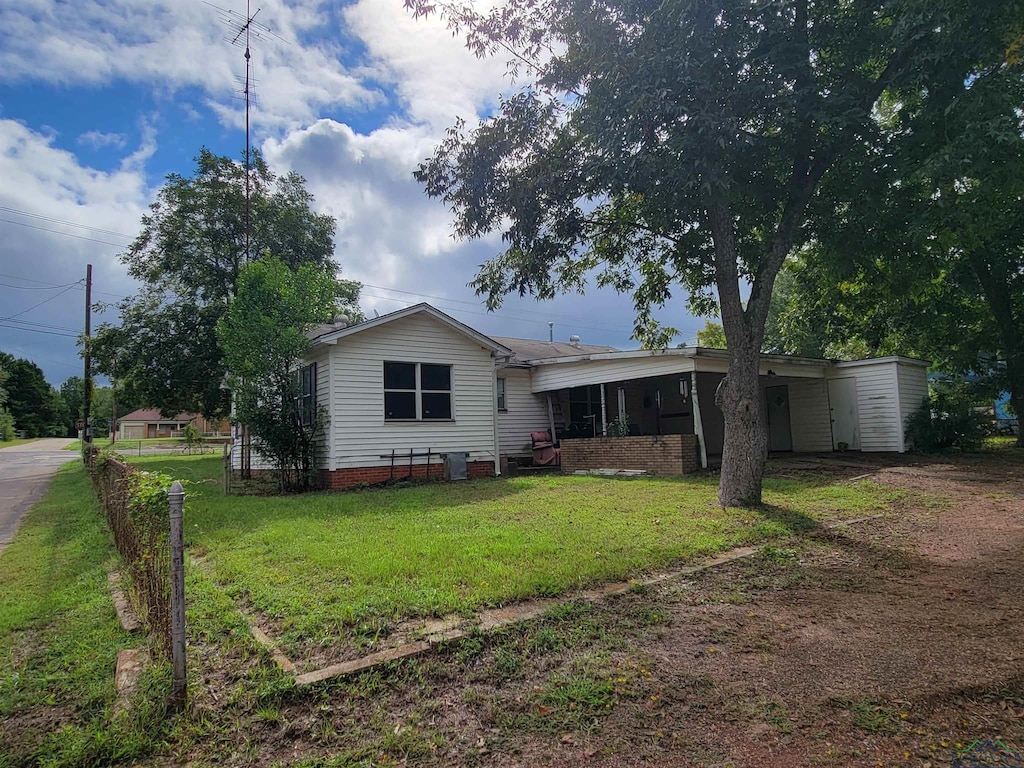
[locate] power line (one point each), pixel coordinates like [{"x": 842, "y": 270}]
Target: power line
[
  {"x": 37, "y": 330},
  {"x": 579, "y": 321},
  {"x": 44, "y": 301},
  {"x": 35, "y": 357},
  {"x": 47, "y": 326},
  {"x": 30, "y": 280},
  {"x": 66, "y": 234},
  {"x": 65, "y": 222},
  {"x": 35, "y": 288}
]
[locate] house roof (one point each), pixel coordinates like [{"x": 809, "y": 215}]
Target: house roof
[
  {"x": 533, "y": 349},
  {"x": 332, "y": 337},
  {"x": 153, "y": 414}
]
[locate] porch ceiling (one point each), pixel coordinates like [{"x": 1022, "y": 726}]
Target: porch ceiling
[{"x": 550, "y": 378}]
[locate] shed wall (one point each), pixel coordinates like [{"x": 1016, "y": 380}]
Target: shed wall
[{"x": 913, "y": 388}]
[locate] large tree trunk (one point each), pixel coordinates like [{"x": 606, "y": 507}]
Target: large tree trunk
[
  {"x": 745, "y": 448},
  {"x": 995, "y": 284}
]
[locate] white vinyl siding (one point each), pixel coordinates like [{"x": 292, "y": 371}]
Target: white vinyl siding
[
  {"x": 878, "y": 412},
  {"x": 809, "y": 416},
  {"x": 525, "y": 412},
  {"x": 913, "y": 384},
  {"x": 361, "y": 435}
]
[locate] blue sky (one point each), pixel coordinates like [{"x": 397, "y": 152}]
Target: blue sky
[{"x": 100, "y": 100}]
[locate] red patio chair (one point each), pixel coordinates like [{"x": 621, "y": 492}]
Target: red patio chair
[{"x": 544, "y": 451}]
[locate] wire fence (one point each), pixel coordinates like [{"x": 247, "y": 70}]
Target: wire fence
[{"x": 136, "y": 508}]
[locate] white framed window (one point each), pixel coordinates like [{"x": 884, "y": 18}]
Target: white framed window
[
  {"x": 502, "y": 401},
  {"x": 417, "y": 391},
  {"x": 307, "y": 394}
]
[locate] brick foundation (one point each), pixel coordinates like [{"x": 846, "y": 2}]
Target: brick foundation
[
  {"x": 348, "y": 477},
  {"x": 658, "y": 454}
]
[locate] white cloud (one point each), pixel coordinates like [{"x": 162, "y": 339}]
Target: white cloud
[
  {"x": 46, "y": 192},
  {"x": 99, "y": 139},
  {"x": 398, "y": 242},
  {"x": 434, "y": 74},
  {"x": 181, "y": 44}
]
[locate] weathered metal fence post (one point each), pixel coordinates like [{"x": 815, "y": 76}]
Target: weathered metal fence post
[{"x": 176, "y": 496}]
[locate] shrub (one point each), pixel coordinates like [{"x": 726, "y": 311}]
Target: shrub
[{"x": 947, "y": 420}]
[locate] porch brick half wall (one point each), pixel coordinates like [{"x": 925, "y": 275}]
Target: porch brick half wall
[{"x": 658, "y": 454}]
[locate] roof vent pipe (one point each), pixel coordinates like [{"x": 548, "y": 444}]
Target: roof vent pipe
[{"x": 574, "y": 340}]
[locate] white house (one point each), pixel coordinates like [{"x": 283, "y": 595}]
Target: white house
[{"x": 407, "y": 389}]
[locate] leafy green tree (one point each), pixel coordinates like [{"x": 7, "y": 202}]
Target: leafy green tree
[
  {"x": 666, "y": 144},
  {"x": 189, "y": 257},
  {"x": 711, "y": 335},
  {"x": 33, "y": 403},
  {"x": 6, "y": 420},
  {"x": 72, "y": 390},
  {"x": 935, "y": 266},
  {"x": 264, "y": 338}
]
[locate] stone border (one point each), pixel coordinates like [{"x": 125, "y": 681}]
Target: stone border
[
  {"x": 494, "y": 618},
  {"x": 125, "y": 613},
  {"x": 452, "y": 628}
]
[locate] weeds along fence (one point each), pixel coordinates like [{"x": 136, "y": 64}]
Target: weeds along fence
[{"x": 136, "y": 506}]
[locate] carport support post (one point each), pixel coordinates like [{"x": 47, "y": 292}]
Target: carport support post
[
  {"x": 604, "y": 412},
  {"x": 176, "y": 497},
  {"x": 698, "y": 425}
]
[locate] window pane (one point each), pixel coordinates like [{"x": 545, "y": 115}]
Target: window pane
[
  {"x": 437, "y": 405},
  {"x": 435, "y": 377},
  {"x": 399, "y": 405},
  {"x": 400, "y": 376},
  {"x": 501, "y": 394}
]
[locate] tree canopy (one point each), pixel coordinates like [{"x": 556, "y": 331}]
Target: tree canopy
[
  {"x": 662, "y": 146},
  {"x": 6, "y": 420},
  {"x": 935, "y": 266},
  {"x": 264, "y": 339},
  {"x": 34, "y": 405},
  {"x": 189, "y": 257}
]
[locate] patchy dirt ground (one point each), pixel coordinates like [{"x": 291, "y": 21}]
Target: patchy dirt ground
[{"x": 893, "y": 641}]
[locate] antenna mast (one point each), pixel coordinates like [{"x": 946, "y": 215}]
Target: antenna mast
[{"x": 246, "y": 28}]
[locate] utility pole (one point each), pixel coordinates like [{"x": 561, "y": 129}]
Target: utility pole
[
  {"x": 87, "y": 384},
  {"x": 113, "y": 405}
]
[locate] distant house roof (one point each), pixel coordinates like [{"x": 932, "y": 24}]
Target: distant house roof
[
  {"x": 153, "y": 414},
  {"x": 331, "y": 335},
  {"x": 532, "y": 349}
]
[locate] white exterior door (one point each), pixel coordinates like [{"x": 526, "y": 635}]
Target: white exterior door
[{"x": 842, "y": 398}]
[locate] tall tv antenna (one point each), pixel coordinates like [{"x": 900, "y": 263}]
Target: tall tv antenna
[{"x": 246, "y": 28}]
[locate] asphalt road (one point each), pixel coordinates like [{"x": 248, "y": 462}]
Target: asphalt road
[{"x": 25, "y": 472}]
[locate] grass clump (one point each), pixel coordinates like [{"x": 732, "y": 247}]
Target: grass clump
[{"x": 59, "y": 640}]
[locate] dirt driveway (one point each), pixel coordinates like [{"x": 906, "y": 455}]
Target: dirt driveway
[{"x": 893, "y": 641}]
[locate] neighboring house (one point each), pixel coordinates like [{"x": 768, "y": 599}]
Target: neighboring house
[
  {"x": 148, "y": 423},
  {"x": 405, "y": 389}
]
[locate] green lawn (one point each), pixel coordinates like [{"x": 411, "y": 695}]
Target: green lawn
[
  {"x": 17, "y": 441},
  {"x": 318, "y": 563},
  {"x": 59, "y": 636}
]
